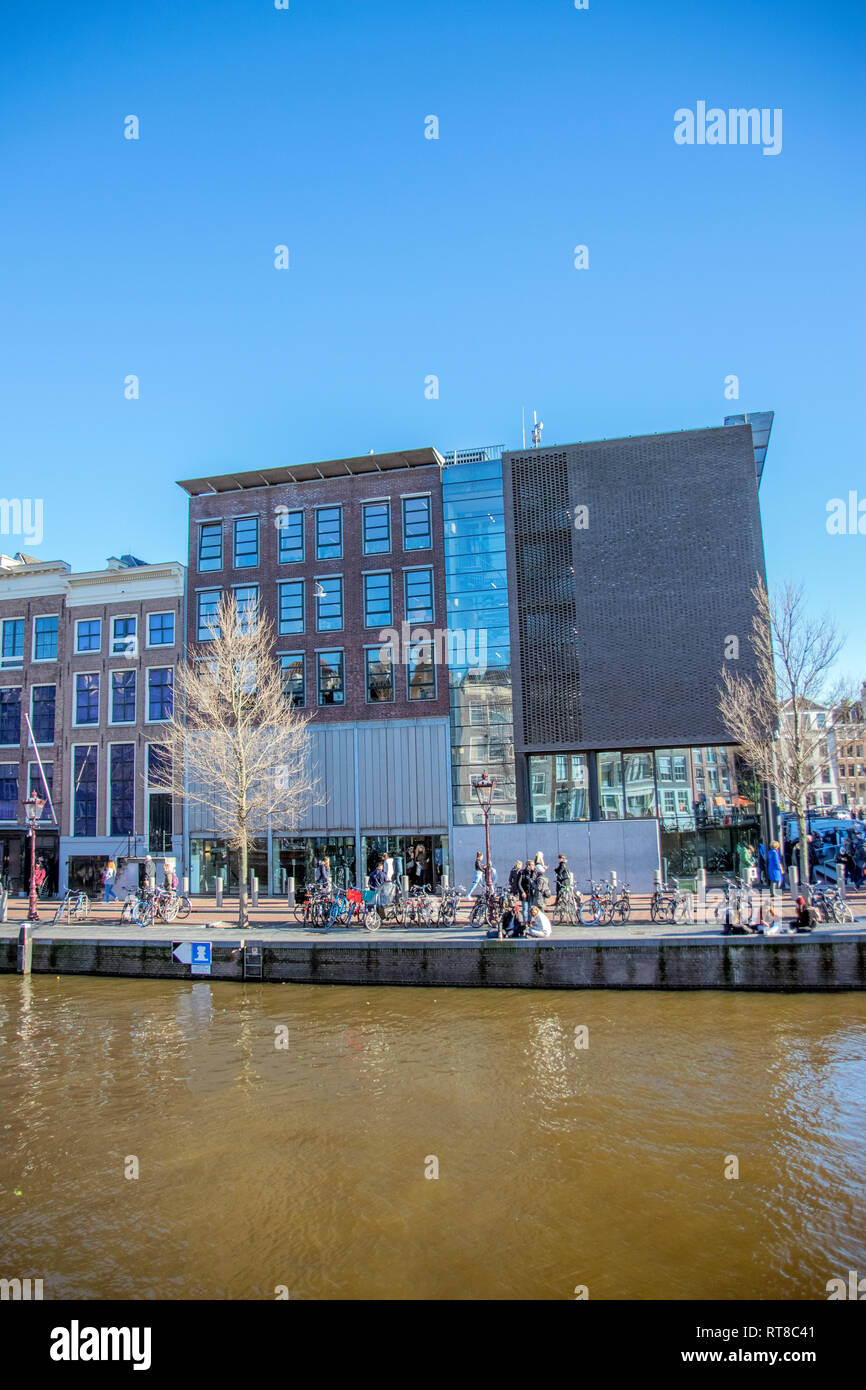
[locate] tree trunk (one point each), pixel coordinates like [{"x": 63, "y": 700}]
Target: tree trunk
[
  {"x": 804, "y": 853},
  {"x": 243, "y": 860}
]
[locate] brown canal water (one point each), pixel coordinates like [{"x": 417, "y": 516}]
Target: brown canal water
[{"x": 304, "y": 1166}]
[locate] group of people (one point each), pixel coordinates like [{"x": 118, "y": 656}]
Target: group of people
[{"x": 169, "y": 877}]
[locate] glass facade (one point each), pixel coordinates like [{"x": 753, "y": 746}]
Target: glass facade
[
  {"x": 559, "y": 787},
  {"x": 482, "y": 724}
]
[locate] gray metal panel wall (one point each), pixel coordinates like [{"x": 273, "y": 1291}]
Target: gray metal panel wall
[
  {"x": 662, "y": 577},
  {"x": 403, "y": 769}
]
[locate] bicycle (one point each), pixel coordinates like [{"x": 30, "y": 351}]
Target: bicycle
[
  {"x": 418, "y": 908},
  {"x": 75, "y": 905},
  {"x": 567, "y": 907},
  {"x": 448, "y": 906},
  {"x": 488, "y": 909},
  {"x": 831, "y": 906},
  {"x": 669, "y": 904},
  {"x": 738, "y": 895}
]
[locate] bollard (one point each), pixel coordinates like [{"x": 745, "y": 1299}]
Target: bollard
[
  {"x": 664, "y": 871},
  {"x": 613, "y": 878},
  {"x": 4, "y": 903},
  {"x": 185, "y": 885},
  {"x": 254, "y": 890},
  {"x": 290, "y": 886},
  {"x": 793, "y": 882},
  {"x": 219, "y": 890},
  {"x": 444, "y": 880},
  {"x": 840, "y": 879},
  {"x": 657, "y": 878},
  {"x": 702, "y": 891},
  {"x": 25, "y": 950},
  {"x": 404, "y": 881}
]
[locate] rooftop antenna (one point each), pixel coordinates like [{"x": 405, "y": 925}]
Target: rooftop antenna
[{"x": 537, "y": 427}]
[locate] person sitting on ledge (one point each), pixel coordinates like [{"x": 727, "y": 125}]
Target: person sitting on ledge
[
  {"x": 539, "y": 923},
  {"x": 512, "y": 923},
  {"x": 806, "y": 919}
]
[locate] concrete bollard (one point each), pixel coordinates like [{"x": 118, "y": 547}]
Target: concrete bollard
[
  {"x": 290, "y": 888},
  {"x": 4, "y": 903},
  {"x": 613, "y": 878},
  {"x": 793, "y": 881},
  {"x": 25, "y": 950},
  {"x": 840, "y": 879},
  {"x": 185, "y": 885},
  {"x": 219, "y": 890},
  {"x": 254, "y": 890},
  {"x": 404, "y": 882},
  {"x": 657, "y": 878}
]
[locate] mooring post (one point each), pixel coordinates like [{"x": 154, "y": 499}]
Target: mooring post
[
  {"x": 25, "y": 949},
  {"x": 254, "y": 890},
  {"x": 219, "y": 890},
  {"x": 290, "y": 886},
  {"x": 4, "y": 903}
]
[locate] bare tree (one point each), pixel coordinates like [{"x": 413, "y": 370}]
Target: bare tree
[
  {"x": 235, "y": 744},
  {"x": 770, "y": 715}
]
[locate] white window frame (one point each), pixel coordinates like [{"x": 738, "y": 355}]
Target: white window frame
[
  {"x": 44, "y": 685},
  {"x": 160, "y": 613},
  {"x": 89, "y": 651},
  {"x": 119, "y": 743},
  {"x": 12, "y": 762},
  {"x": 5, "y": 660},
  {"x": 46, "y": 762},
  {"x": 72, "y": 788},
  {"x": 44, "y": 660},
  {"x": 120, "y": 723},
  {"x": 123, "y": 618},
  {"x": 74, "y": 721},
  {"x": 20, "y": 689},
  {"x": 161, "y": 666}
]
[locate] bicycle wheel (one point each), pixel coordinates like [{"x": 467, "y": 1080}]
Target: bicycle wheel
[
  {"x": 371, "y": 919},
  {"x": 169, "y": 909},
  {"x": 680, "y": 911},
  {"x": 142, "y": 914},
  {"x": 623, "y": 908},
  {"x": 184, "y": 907},
  {"x": 589, "y": 912},
  {"x": 478, "y": 915},
  {"x": 82, "y": 907}
]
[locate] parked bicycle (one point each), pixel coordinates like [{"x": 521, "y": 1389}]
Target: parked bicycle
[
  {"x": 74, "y": 905},
  {"x": 567, "y": 908},
  {"x": 604, "y": 903},
  {"x": 669, "y": 904},
  {"x": 738, "y": 904},
  {"x": 449, "y": 904},
  {"x": 830, "y": 905},
  {"x": 487, "y": 909},
  {"x": 418, "y": 908}
]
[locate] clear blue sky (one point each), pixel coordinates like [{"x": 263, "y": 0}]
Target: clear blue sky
[{"x": 412, "y": 256}]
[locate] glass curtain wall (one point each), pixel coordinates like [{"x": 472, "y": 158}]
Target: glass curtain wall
[{"x": 482, "y": 722}]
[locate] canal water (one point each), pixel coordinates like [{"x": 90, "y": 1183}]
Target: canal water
[{"x": 282, "y": 1138}]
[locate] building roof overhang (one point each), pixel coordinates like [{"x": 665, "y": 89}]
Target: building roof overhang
[{"x": 311, "y": 472}]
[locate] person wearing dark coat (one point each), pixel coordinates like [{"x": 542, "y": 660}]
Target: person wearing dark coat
[{"x": 526, "y": 888}]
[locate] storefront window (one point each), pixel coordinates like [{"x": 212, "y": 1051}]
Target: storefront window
[
  {"x": 640, "y": 800},
  {"x": 610, "y": 797},
  {"x": 559, "y": 787}
]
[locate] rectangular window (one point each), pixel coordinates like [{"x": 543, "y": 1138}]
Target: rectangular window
[
  {"x": 331, "y": 678},
  {"x": 640, "y": 797},
  {"x": 45, "y": 638},
  {"x": 35, "y": 784},
  {"x": 42, "y": 702},
  {"x": 8, "y": 791},
  {"x": 84, "y": 773},
  {"x": 291, "y": 533},
  {"x": 376, "y": 527},
  {"x": 123, "y": 697},
  {"x": 13, "y": 644},
  {"x": 10, "y": 715},
  {"x": 291, "y": 598},
  {"x": 292, "y": 664},
  {"x": 420, "y": 672},
  {"x": 558, "y": 784},
  {"x": 246, "y": 551},
  {"x": 247, "y": 600},
  {"x": 418, "y": 589},
  {"x": 329, "y": 604},
  {"x": 160, "y": 629},
  {"x": 87, "y": 699},
  {"x": 417, "y": 524},
  {"x": 158, "y": 764},
  {"x": 121, "y": 788},
  {"x": 124, "y": 641},
  {"x": 88, "y": 635},
  {"x": 207, "y": 603},
  {"x": 210, "y": 546},
  {"x": 160, "y": 692},
  {"x": 329, "y": 533},
  {"x": 379, "y": 675},
  {"x": 377, "y": 599},
  {"x": 610, "y": 786}
]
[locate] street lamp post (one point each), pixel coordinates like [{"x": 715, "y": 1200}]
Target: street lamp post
[
  {"x": 33, "y": 805},
  {"x": 483, "y": 788}
]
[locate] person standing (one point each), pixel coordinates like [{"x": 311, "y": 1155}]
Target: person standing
[
  {"x": 108, "y": 881},
  {"x": 149, "y": 874},
  {"x": 323, "y": 874},
  {"x": 388, "y": 863},
  {"x": 39, "y": 877},
  {"x": 774, "y": 869},
  {"x": 514, "y": 879},
  {"x": 478, "y": 872},
  {"x": 563, "y": 877},
  {"x": 527, "y": 888}
]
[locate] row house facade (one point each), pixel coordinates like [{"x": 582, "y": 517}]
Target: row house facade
[
  {"x": 89, "y": 660},
  {"x": 345, "y": 558}
]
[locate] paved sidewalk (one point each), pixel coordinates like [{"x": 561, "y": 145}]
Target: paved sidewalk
[{"x": 271, "y": 921}]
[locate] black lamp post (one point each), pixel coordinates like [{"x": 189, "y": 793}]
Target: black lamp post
[
  {"x": 483, "y": 788},
  {"x": 33, "y": 805}
]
